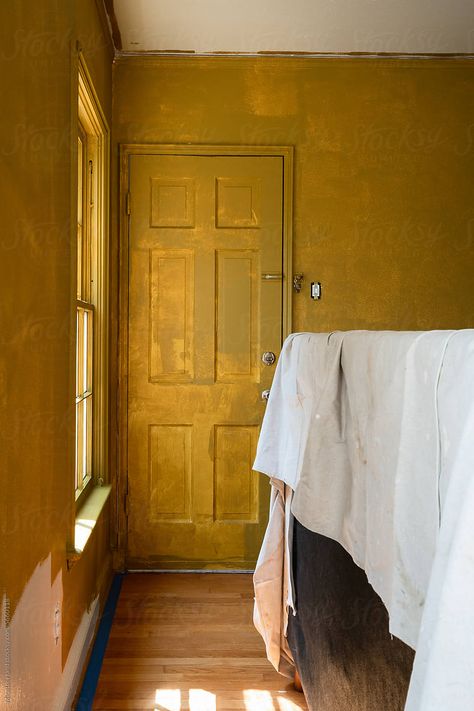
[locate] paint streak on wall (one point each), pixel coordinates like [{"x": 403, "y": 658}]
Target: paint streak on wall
[
  {"x": 383, "y": 202},
  {"x": 33, "y": 676},
  {"x": 384, "y": 187},
  {"x": 33, "y": 653},
  {"x": 38, "y": 65}
]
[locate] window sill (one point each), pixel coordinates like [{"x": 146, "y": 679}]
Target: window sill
[{"x": 86, "y": 520}]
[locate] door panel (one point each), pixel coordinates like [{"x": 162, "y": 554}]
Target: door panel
[
  {"x": 170, "y": 448},
  {"x": 235, "y": 484},
  {"x": 203, "y": 230},
  {"x": 237, "y": 338},
  {"x": 171, "y": 302}
]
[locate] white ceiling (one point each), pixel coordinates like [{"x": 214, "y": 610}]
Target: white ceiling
[{"x": 407, "y": 26}]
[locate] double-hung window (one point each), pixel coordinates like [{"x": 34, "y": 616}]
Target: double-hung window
[
  {"x": 91, "y": 290},
  {"x": 86, "y": 247}
]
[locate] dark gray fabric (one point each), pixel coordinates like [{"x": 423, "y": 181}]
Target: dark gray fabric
[{"x": 339, "y": 637}]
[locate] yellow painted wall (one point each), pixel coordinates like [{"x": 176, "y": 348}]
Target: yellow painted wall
[
  {"x": 38, "y": 67},
  {"x": 383, "y": 204},
  {"x": 384, "y": 217}
]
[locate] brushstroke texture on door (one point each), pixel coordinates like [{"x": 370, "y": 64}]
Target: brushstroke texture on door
[{"x": 203, "y": 231}]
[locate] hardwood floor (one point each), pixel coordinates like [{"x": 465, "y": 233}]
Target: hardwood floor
[{"x": 187, "y": 641}]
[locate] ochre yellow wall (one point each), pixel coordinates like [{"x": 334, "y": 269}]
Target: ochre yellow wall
[
  {"x": 383, "y": 202},
  {"x": 38, "y": 66},
  {"x": 383, "y": 208}
]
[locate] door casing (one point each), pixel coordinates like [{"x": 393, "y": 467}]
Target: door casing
[{"x": 119, "y": 517}]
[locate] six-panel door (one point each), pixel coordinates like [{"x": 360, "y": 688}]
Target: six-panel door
[{"x": 204, "y": 229}]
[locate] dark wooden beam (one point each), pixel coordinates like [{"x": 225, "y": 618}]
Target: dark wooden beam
[{"x": 116, "y": 36}]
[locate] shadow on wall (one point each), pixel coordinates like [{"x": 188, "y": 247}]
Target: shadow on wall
[{"x": 31, "y": 646}]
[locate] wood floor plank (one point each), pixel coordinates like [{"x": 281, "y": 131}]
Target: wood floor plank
[{"x": 186, "y": 642}]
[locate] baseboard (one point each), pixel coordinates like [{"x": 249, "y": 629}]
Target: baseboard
[
  {"x": 76, "y": 660},
  {"x": 75, "y": 667}
]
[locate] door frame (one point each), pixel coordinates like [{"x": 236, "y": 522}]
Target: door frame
[{"x": 128, "y": 150}]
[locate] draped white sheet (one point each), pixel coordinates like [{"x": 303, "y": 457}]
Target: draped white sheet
[
  {"x": 443, "y": 672},
  {"x": 281, "y": 442},
  {"x": 371, "y": 430},
  {"x": 272, "y": 581}
]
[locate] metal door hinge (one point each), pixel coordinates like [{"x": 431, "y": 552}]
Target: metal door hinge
[{"x": 127, "y": 204}]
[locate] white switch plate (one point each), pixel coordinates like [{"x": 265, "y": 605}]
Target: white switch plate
[{"x": 315, "y": 290}]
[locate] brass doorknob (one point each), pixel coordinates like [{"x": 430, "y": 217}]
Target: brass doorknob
[
  {"x": 268, "y": 358},
  {"x": 265, "y": 394}
]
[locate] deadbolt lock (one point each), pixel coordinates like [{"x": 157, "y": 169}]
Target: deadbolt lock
[{"x": 268, "y": 358}]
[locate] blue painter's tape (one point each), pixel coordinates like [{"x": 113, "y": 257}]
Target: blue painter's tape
[{"x": 89, "y": 685}]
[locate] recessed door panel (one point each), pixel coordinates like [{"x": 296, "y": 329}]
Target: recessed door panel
[
  {"x": 237, "y": 203},
  {"x": 235, "y": 484},
  {"x": 171, "y": 315},
  {"x": 237, "y": 304},
  {"x": 170, "y": 462},
  {"x": 172, "y": 202}
]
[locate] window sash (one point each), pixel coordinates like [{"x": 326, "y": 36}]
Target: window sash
[
  {"x": 85, "y": 309},
  {"x": 84, "y": 393},
  {"x": 86, "y": 227}
]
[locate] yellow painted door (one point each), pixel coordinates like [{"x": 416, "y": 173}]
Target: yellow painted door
[{"x": 204, "y": 231}]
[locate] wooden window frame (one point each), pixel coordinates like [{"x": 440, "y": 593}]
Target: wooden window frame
[{"x": 92, "y": 298}]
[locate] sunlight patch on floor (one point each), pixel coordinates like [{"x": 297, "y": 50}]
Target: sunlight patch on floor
[
  {"x": 258, "y": 700},
  {"x": 198, "y": 700},
  {"x": 285, "y": 704},
  {"x": 201, "y": 700},
  {"x": 168, "y": 700}
]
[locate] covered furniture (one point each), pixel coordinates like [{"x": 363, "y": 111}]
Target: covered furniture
[{"x": 369, "y": 442}]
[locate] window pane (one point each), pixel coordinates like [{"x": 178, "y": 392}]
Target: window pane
[
  {"x": 84, "y": 439},
  {"x": 84, "y": 404},
  {"x": 80, "y": 213},
  {"x": 88, "y": 469},
  {"x": 77, "y": 353},
  {"x": 85, "y": 352},
  {"x": 88, "y": 224},
  {"x": 80, "y": 353},
  {"x": 79, "y": 261},
  {"x": 80, "y": 170},
  {"x": 79, "y": 444},
  {"x": 90, "y": 351}
]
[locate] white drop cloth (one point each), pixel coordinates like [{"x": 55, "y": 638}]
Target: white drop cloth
[
  {"x": 281, "y": 442},
  {"x": 443, "y": 672},
  {"x": 271, "y": 581},
  {"x": 363, "y": 427}
]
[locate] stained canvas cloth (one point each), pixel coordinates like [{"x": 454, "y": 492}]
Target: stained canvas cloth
[
  {"x": 354, "y": 426},
  {"x": 370, "y": 469},
  {"x": 298, "y": 376},
  {"x": 271, "y": 581},
  {"x": 281, "y": 442}
]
